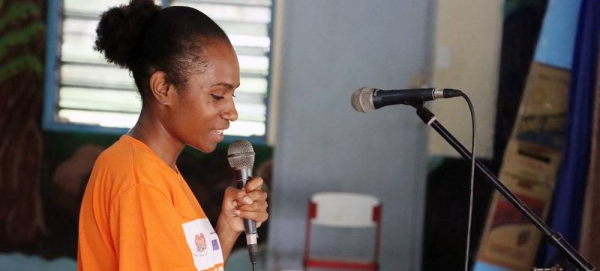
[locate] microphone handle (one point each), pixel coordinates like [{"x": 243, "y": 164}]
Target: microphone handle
[
  {"x": 243, "y": 176},
  {"x": 383, "y": 98}
]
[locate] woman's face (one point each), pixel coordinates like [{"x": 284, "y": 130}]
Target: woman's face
[{"x": 205, "y": 108}]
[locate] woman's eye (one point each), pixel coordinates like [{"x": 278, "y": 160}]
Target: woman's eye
[{"x": 216, "y": 97}]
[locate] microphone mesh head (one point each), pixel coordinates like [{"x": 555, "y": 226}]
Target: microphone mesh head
[
  {"x": 240, "y": 155},
  {"x": 362, "y": 100}
]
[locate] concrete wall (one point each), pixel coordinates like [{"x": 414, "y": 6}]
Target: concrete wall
[{"x": 325, "y": 51}]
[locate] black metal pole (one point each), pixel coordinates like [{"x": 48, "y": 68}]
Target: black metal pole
[{"x": 555, "y": 237}]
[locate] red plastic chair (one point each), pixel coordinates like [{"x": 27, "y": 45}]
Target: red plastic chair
[{"x": 346, "y": 210}]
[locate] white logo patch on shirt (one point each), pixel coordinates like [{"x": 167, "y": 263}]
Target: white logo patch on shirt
[{"x": 203, "y": 242}]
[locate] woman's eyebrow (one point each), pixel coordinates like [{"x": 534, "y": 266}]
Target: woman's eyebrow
[{"x": 227, "y": 85}]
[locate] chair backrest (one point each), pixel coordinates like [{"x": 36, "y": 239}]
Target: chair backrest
[{"x": 341, "y": 209}]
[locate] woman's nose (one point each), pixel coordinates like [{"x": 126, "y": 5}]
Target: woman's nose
[{"x": 230, "y": 113}]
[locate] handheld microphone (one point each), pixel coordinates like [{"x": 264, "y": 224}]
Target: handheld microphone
[
  {"x": 240, "y": 155},
  {"x": 366, "y": 99}
]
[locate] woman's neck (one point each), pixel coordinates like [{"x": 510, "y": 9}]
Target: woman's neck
[{"x": 152, "y": 132}]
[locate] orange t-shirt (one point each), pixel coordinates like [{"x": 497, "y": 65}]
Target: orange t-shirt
[{"x": 138, "y": 213}]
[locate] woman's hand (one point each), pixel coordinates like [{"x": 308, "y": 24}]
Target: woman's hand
[{"x": 249, "y": 202}]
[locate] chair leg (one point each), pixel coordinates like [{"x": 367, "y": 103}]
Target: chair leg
[{"x": 312, "y": 210}]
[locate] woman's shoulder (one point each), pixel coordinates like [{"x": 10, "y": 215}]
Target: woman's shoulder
[
  {"x": 131, "y": 162},
  {"x": 128, "y": 152}
]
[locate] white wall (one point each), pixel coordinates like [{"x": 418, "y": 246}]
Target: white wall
[
  {"x": 467, "y": 44},
  {"x": 326, "y": 50}
]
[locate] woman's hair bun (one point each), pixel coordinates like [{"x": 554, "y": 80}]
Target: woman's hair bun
[{"x": 119, "y": 29}]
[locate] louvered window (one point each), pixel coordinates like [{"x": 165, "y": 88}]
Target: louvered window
[{"x": 84, "y": 92}]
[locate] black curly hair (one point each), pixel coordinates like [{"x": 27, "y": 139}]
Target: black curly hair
[{"x": 145, "y": 38}]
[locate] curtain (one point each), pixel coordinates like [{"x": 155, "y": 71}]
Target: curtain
[{"x": 566, "y": 214}]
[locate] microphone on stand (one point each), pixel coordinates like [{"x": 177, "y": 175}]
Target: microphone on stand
[
  {"x": 240, "y": 155},
  {"x": 366, "y": 99}
]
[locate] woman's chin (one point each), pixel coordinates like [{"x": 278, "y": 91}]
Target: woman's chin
[{"x": 205, "y": 147}]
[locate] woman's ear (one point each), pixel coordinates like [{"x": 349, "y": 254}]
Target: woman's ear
[{"x": 161, "y": 88}]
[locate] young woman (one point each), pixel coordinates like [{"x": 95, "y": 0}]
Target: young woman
[{"x": 138, "y": 213}]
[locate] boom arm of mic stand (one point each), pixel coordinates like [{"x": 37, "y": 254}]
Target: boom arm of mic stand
[{"x": 555, "y": 237}]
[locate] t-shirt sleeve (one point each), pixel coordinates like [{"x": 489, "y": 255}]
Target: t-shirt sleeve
[{"x": 147, "y": 231}]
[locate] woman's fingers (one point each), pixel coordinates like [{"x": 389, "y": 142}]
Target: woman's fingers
[
  {"x": 257, "y": 209},
  {"x": 256, "y": 206},
  {"x": 254, "y": 185},
  {"x": 253, "y": 188},
  {"x": 258, "y": 195},
  {"x": 249, "y": 202},
  {"x": 251, "y": 192},
  {"x": 259, "y": 217}
]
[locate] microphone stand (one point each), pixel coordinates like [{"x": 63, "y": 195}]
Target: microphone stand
[{"x": 555, "y": 238}]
